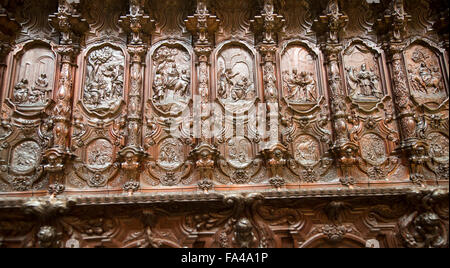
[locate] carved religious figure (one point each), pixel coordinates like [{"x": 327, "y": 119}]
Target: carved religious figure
[
  {"x": 170, "y": 155},
  {"x": 172, "y": 79},
  {"x": 299, "y": 76},
  {"x": 301, "y": 87},
  {"x": 235, "y": 76},
  {"x": 363, "y": 82},
  {"x": 424, "y": 75},
  {"x": 104, "y": 86}
]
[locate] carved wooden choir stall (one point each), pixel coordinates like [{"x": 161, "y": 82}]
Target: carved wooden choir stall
[{"x": 224, "y": 123}]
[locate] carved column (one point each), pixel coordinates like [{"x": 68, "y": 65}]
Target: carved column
[
  {"x": 136, "y": 23},
  {"x": 203, "y": 26},
  {"x": 392, "y": 26},
  {"x": 69, "y": 23},
  {"x": 332, "y": 23},
  {"x": 8, "y": 29}
]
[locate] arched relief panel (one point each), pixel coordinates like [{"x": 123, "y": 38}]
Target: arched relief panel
[
  {"x": 103, "y": 88},
  {"x": 301, "y": 80},
  {"x": 170, "y": 78},
  {"x": 167, "y": 130},
  {"x": 427, "y": 74},
  {"x": 373, "y": 130},
  {"x": 237, "y": 88},
  {"x": 32, "y": 77},
  {"x": 364, "y": 74},
  {"x": 237, "y": 91},
  {"x": 99, "y": 119},
  {"x": 305, "y": 128}
]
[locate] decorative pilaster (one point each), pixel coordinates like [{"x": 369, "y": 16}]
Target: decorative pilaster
[
  {"x": 69, "y": 23},
  {"x": 332, "y": 23},
  {"x": 8, "y": 29},
  {"x": 203, "y": 26},
  {"x": 266, "y": 26},
  {"x": 137, "y": 24}
]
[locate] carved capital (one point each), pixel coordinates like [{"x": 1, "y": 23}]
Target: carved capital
[
  {"x": 332, "y": 22},
  {"x": 68, "y": 53},
  {"x": 202, "y": 24},
  {"x": 68, "y": 22},
  {"x": 268, "y": 24},
  {"x": 137, "y": 53},
  {"x": 137, "y": 23}
]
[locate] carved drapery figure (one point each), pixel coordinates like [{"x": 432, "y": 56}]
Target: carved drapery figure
[
  {"x": 301, "y": 87},
  {"x": 172, "y": 78},
  {"x": 363, "y": 82},
  {"x": 103, "y": 91}
]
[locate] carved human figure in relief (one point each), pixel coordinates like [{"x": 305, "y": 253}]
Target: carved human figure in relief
[
  {"x": 301, "y": 87},
  {"x": 36, "y": 95},
  {"x": 172, "y": 78},
  {"x": 235, "y": 82},
  {"x": 105, "y": 80},
  {"x": 427, "y": 80},
  {"x": 363, "y": 83},
  {"x": 170, "y": 154}
]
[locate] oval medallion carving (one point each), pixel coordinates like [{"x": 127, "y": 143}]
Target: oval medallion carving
[
  {"x": 170, "y": 154},
  {"x": 239, "y": 152},
  {"x": 171, "y": 79},
  {"x": 373, "y": 149},
  {"x": 104, "y": 85},
  {"x": 25, "y": 157},
  {"x": 439, "y": 146},
  {"x": 307, "y": 151},
  {"x": 100, "y": 154}
]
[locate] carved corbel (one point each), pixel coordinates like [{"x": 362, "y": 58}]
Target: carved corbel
[
  {"x": 47, "y": 212},
  {"x": 205, "y": 156},
  {"x": 68, "y": 22},
  {"x": 332, "y": 22},
  {"x": 276, "y": 159}
]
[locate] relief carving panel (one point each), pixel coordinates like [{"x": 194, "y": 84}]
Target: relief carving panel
[
  {"x": 103, "y": 91},
  {"x": 425, "y": 76},
  {"x": 35, "y": 72},
  {"x": 362, "y": 72},
  {"x": 236, "y": 88},
  {"x": 171, "y": 77}
]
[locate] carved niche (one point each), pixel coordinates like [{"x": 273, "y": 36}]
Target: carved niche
[
  {"x": 425, "y": 76},
  {"x": 34, "y": 78},
  {"x": 99, "y": 128},
  {"x": 236, "y": 87},
  {"x": 362, "y": 73},
  {"x": 103, "y": 90},
  {"x": 300, "y": 78},
  {"x": 305, "y": 126},
  {"x": 171, "y": 79}
]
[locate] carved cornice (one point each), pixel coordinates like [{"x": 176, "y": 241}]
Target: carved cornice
[{"x": 198, "y": 197}]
